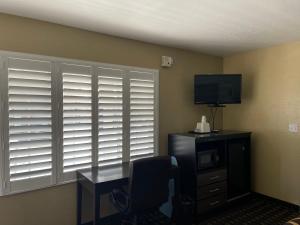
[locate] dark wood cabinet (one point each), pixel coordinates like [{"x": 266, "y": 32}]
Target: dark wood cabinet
[
  {"x": 227, "y": 176},
  {"x": 238, "y": 167}
]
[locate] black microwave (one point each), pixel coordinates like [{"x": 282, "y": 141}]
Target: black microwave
[{"x": 208, "y": 159}]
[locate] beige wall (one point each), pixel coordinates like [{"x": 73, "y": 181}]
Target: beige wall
[
  {"x": 271, "y": 100},
  {"x": 177, "y": 111}
]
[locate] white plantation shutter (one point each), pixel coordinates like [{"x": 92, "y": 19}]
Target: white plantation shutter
[
  {"x": 110, "y": 116},
  {"x": 77, "y": 118},
  {"x": 58, "y": 116},
  {"x": 142, "y": 114},
  {"x": 30, "y": 123}
]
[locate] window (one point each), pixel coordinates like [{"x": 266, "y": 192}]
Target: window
[
  {"x": 77, "y": 118},
  {"x": 110, "y": 119},
  {"x": 59, "y": 116},
  {"x": 142, "y": 115},
  {"x": 29, "y": 123}
]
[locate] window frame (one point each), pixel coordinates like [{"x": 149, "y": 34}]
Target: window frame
[
  {"x": 57, "y": 117},
  {"x": 3, "y": 90}
]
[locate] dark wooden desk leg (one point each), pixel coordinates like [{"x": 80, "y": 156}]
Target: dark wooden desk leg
[
  {"x": 79, "y": 203},
  {"x": 96, "y": 207}
]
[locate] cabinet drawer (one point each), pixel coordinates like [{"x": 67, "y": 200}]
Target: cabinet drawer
[
  {"x": 211, "y": 190},
  {"x": 211, "y": 203},
  {"x": 212, "y": 177}
]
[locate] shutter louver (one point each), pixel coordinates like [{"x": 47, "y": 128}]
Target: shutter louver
[
  {"x": 110, "y": 110},
  {"x": 77, "y": 118},
  {"x": 142, "y": 118},
  {"x": 30, "y": 122}
]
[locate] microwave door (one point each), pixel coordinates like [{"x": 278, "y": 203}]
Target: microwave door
[{"x": 216, "y": 159}]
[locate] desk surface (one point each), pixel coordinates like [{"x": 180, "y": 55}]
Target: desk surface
[{"x": 98, "y": 175}]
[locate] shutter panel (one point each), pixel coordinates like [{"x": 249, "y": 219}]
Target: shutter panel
[
  {"x": 142, "y": 115},
  {"x": 77, "y": 118},
  {"x": 110, "y": 110},
  {"x": 30, "y": 124}
]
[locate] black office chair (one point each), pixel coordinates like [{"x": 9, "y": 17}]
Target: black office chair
[{"x": 148, "y": 189}]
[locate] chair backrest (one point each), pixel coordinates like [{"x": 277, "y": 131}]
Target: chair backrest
[{"x": 149, "y": 183}]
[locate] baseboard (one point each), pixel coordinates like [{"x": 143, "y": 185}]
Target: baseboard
[{"x": 297, "y": 207}]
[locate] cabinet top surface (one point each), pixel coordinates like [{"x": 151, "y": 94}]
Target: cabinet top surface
[{"x": 220, "y": 134}]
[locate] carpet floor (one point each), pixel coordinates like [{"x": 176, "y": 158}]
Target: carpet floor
[{"x": 257, "y": 210}]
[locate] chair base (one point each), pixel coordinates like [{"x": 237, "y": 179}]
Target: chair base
[
  {"x": 295, "y": 221},
  {"x": 149, "y": 218}
]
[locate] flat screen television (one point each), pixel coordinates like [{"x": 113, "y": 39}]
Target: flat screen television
[{"x": 218, "y": 89}]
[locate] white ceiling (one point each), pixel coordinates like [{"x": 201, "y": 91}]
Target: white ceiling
[{"x": 218, "y": 27}]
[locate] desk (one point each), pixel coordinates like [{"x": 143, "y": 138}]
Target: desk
[{"x": 98, "y": 181}]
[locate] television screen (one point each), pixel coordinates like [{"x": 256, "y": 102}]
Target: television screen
[{"x": 218, "y": 89}]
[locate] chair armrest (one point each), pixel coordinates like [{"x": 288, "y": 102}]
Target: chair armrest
[{"x": 120, "y": 199}]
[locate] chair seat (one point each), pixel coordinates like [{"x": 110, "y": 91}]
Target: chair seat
[{"x": 295, "y": 221}]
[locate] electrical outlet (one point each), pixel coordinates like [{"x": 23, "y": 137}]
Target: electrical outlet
[{"x": 293, "y": 127}]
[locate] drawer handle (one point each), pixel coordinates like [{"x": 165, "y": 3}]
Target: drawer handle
[
  {"x": 214, "y": 203},
  {"x": 214, "y": 178},
  {"x": 214, "y": 190}
]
